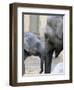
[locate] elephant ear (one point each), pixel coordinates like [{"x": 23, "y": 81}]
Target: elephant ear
[
  {"x": 59, "y": 30},
  {"x": 56, "y": 23},
  {"x": 52, "y": 22}
]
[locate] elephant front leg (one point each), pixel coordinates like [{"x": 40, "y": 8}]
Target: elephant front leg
[{"x": 48, "y": 61}]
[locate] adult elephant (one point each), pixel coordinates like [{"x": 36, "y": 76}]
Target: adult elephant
[{"x": 53, "y": 39}]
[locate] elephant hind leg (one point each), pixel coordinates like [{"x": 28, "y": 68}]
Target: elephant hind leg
[
  {"x": 41, "y": 63},
  {"x": 26, "y": 54},
  {"x": 41, "y": 66}
]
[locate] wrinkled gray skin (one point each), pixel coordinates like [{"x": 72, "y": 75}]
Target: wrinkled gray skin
[
  {"x": 53, "y": 39},
  {"x": 33, "y": 46}
]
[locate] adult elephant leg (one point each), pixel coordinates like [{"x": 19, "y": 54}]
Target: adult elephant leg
[
  {"x": 48, "y": 61},
  {"x": 41, "y": 66}
]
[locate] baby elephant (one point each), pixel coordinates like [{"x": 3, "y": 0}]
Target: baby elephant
[
  {"x": 53, "y": 39},
  {"x": 33, "y": 46}
]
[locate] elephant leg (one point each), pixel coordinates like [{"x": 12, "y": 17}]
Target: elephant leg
[
  {"x": 23, "y": 68},
  {"x": 41, "y": 64},
  {"x": 48, "y": 61},
  {"x": 23, "y": 64}
]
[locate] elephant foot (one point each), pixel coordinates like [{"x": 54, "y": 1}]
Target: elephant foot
[
  {"x": 48, "y": 72},
  {"x": 41, "y": 71}
]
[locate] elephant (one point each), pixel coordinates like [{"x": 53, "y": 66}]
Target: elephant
[
  {"x": 33, "y": 46},
  {"x": 53, "y": 39}
]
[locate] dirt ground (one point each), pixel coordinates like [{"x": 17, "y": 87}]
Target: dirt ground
[{"x": 32, "y": 65}]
